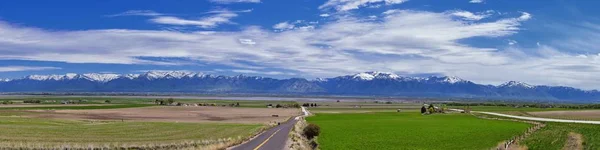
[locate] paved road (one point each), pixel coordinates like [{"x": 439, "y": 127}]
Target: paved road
[
  {"x": 534, "y": 118},
  {"x": 272, "y": 139}
]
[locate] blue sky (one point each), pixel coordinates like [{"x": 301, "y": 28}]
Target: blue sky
[{"x": 487, "y": 41}]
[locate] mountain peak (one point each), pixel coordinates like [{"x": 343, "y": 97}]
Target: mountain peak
[
  {"x": 169, "y": 74},
  {"x": 516, "y": 84},
  {"x": 375, "y": 75},
  {"x": 452, "y": 79},
  {"x": 99, "y": 77}
]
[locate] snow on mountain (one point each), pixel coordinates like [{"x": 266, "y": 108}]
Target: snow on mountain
[
  {"x": 169, "y": 74},
  {"x": 50, "y": 77},
  {"x": 516, "y": 84},
  {"x": 447, "y": 79},
  {"x": 321, "y": 79},
  {"x": 131, "y": 76},
  {"x": 374, "y": 75},
  {"x": 99, "y": 77}
]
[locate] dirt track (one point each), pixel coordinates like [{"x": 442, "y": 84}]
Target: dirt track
[{"x": 176, "y": 114}]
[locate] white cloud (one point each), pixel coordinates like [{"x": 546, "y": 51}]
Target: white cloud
[
  {"x": 284, "y": 26},
  {"x": 469, "y": 15},
  {"x": 476, "y": 1},
  {"x": 346, "y": 5},
  {"x": 215, "y": 18},
  {"x": 512, "y": 42},
  {"x": 206, "y": 22},
  {"x": 525, "y": 16},
  {"x": 324, "y": 15},
  {"x": 25, "y": 68},
  {"x": 234, "y": 1},
  {"x": 137, "y": 13},
  {"x": 400, "y": 41},
  {"x": 247, "y": 41},
  {"x": 245, "y": 71}
]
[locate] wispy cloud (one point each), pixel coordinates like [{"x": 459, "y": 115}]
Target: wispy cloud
[
  {"x": 234, "y": 1},
  {"x": 25, "y": 68},
  {"x": 476, "y": 1},
  {"x": 214, "y": 19},
  {"x": 245, "y": 71},
  {"x": 284, "y": 26},
  {"x": 469, "y": 15},
  {"x": 206, "y": 22},
  {"x": 346, "y": 5},
  {"x": 137, "y": 13}
]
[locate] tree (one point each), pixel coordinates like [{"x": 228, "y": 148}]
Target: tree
[
  {"x": 170, "y": 100},
  {"x": 278, "y": 106},
  {"x": 431, "y": 109},
  {"x": 107, "y": 101},
  {"x": 237, "y": 104},
  {"x": 311, "y": 130}
]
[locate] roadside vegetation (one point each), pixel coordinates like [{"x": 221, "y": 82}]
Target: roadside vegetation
[
  {"x": 412, "y": 131},
  {"x": 555, "y": 136}
]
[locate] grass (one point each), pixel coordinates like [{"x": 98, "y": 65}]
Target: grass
[
  {"x": 554, "y": 136},
  {"x": 412, "y": 131},
  {"x": 29, "y": 132}
]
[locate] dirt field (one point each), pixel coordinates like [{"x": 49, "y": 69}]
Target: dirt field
[
  {"x": 175, "y": 114},
  {"x": 51, "y": 105},
  {"x": 579, "y": 114}
]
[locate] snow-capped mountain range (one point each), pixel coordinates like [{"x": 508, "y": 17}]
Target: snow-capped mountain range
[{"x": 366, "y": 83}]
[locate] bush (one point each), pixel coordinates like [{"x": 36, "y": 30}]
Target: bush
[
  {"x": 32, "y": 101},
  {"x": 311, "y": 131},
  {"x": 107, "y": 101},
  {"x": 313, "y": 144}
]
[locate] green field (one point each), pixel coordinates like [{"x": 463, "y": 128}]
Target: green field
[
  {"x": 412, "y": 131},
  {"x": 554, "y": 136},
  {"x": 31, "y": 132}
]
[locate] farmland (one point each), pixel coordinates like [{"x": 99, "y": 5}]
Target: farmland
[
  {"x": 130, "y": 122},
  {"x": 412, "y": 131},
  {"x": 46, "y": 133}
]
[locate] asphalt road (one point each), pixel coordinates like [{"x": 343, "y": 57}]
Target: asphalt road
[
  {"x": 272, "y": 139},
  {"x": 534, "y": 118}
]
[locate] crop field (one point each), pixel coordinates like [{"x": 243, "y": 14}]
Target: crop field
[
  {"x": 47, "y": 133},
  {"x": 554, "y": 136},
  {"x": 410, "y": 130},
  {"x": 131, "y": 122},
  {"x": 363, "y": 107}
]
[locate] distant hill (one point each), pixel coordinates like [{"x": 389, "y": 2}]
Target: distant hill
[{"x": 366, "y": 83}]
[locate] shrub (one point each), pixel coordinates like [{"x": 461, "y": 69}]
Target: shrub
[
  {"x": 313, "y": 144},
  {"x": 107, "y": 101},
  {"x": 170, "y": 100},
  {"x": 311, "y": 130}
]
